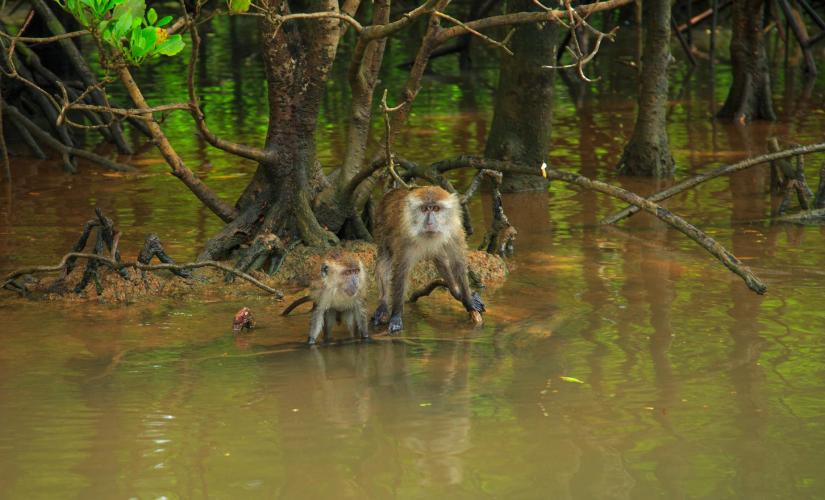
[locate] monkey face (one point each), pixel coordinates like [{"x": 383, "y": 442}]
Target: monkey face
[
  {"x": 351, "y": 278},
  {"x": 432, "y": 212},
  {"x": 342, "y": 275}
]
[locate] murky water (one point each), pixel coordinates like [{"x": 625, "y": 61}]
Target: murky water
[{"x": 691, "y": 385}]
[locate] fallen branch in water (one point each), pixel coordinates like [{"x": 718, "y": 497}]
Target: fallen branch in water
[
  {"x": 117, "y": 266},
  {"x": 815, "y": 216},
  {"x": 712, "y": 246},
  {"x": 727, "y": 169}
]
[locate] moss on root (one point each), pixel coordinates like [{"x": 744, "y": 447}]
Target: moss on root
[{"x": 301, "y": 266}]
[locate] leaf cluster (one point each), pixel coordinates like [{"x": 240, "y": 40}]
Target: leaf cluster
[{"x": 126, "y": 26}]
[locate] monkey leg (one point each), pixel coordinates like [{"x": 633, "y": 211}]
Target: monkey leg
[
  {"x": 360, "y": 317},
  {"x": 460, "y": 285},
  {"x": 383, "y": 268},
  {"x": 399, "y": 289},
  {"x": 330, "y": 319},
  {"x": 444, "y": 271},
  {"x": 315, "y": 325}
]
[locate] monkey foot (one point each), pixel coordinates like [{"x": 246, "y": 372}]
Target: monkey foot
[
  {"x": 311, "y": 341},
  {"x": 478, "y": 304},
  {"x": 395, "y": 325},
  {"x": 476, "y": 318},
  {"x": 381, "y": 315}
]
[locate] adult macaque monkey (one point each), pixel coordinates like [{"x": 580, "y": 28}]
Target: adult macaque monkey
[
  {"x": 338, "y": 297},
  {"x": 412, "y": 225}
]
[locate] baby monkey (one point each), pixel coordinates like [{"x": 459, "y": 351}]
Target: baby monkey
[
  {"x": 338, "y": 297},
  {"x": 412, "y": 225}
]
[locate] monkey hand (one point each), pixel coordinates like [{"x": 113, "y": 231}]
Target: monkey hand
[
  {"x": 395, "y": 325},
  {"x": 381, "y": 315},
  {"x": 478, "y": 304}
]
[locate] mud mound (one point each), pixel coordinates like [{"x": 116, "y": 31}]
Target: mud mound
[{"x": 300, "y": 267}]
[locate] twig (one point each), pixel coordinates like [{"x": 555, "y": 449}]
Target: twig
[
  {"x": 44, "y": 39},
  {"x": 113, "y": 264},
  {"x": 727, "y": 169},
  {"x": 242, "y": 150},
  {"x": 388, "y": 138},
  {"x": 474, "y": 32},
  {"x": 692, "y": 232}
]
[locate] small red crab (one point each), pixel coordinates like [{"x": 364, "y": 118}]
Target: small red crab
[{"x": 243, "y": 319}]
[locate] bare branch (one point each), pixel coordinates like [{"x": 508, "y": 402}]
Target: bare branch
[
  {"x": 553, "y": 15},
  {"x": 209, "y": 198},
  {"x": 242, "y": 150},
  {"x": 45, "y": 39},
  {"x": 474, "y": 32},
  {"x": 388, "y": 137},
  {"x": 709, "y": 244},
  {"x": 724, "y": 170}
]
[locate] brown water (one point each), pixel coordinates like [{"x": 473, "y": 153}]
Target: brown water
[{"x": 692, "y": 386}]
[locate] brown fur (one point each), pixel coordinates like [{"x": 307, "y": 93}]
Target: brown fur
[
  {"x": 338, "y": 296},
  {"x": 414, "y": 225}
]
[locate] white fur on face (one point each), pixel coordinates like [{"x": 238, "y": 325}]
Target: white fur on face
[
  {"x": 338, "y": 299},
  {"x": 428, "y": 244},
  {"x": 447, "y": 218}
]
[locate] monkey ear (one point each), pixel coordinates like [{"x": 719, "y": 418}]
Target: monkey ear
[{"x": 324, "y": 270}]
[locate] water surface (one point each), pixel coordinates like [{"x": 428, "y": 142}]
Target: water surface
[{"x": 691, "y": 385}]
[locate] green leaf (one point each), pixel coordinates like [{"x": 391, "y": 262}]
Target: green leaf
[
  {"x": 151, "y": 16},
  {"x": 135, "y": 8},
  {"x": 145, "y": 41},
  {"x": 571, "y": 379},
  {"x": 122, "y": 26},
  {"x": 239, "y": 6},
  {"x": 164, "y": 21},
  {"x": 170, "y": 46}
]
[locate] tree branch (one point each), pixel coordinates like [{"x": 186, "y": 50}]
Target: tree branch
[
  {"x": 692, "y": 232},
  {"x": 727, "y": 169},
  {"x": 553, "y": 15},
  {"x": 208, "y": 197},
  {"x": 242, "y": 150}
]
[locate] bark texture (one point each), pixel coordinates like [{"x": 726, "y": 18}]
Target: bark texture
[
  {"x": 648, "y": 152},
  {"x": 749, "y": 97},
  {"x": 521, "y": 126},
  {"x": 298, "y": 56}
]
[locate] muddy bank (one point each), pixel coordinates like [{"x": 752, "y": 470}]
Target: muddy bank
[{"x": 300, "y": 267}]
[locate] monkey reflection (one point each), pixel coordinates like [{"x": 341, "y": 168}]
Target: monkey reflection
[
  {"x": 338, "y": 297},
  {"x": 412, "y": 225}
]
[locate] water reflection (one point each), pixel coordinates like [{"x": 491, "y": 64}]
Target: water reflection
[{"x": 692, "y": 385}]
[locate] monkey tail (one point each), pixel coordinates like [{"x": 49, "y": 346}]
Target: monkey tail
[{"x": 295, "y": 304}]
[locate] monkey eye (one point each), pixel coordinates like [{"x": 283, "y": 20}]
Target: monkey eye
[
  {"x": 423, "y": 209},
  {"x": 324, "y": 269},
  {"x": 436, "y": 208}
]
